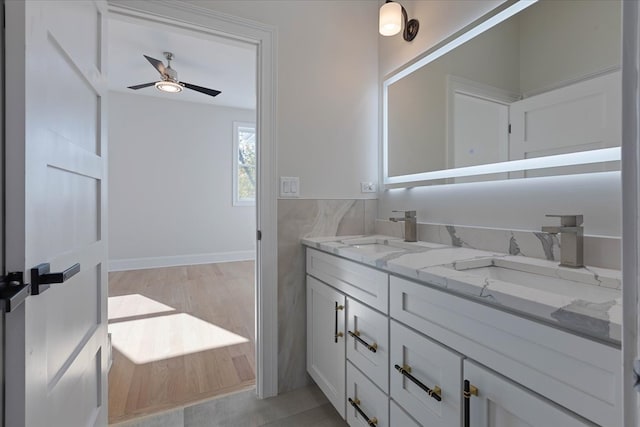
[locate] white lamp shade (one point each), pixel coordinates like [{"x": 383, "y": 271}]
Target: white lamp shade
[{"x": 390, "y": 19}]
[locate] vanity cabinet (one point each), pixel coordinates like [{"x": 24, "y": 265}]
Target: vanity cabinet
[
  {"x": 325, "y": 341},
  {"x": 501, "y": 403},
  {"x": 426, "y": 377},
  {"x": 368, "y": 342},
  {"x": 363, "y": 283},
  {"x": 406, "y": 351},
  {"x": 367, "y": 405},
  {"x": 579, "y": 374},
  {"x": 398, "y": 417}
]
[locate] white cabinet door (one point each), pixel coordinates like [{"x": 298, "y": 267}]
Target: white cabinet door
[
  {"x": 398, "y": 417},
  {"x": 325, "y": 341},
  {"x": 56, "y": 192},
  {"x": 426, "y": 378},
  {"x": 368, "y": 342},
  {"x": 367, "y": 405},
  {"x": 501, "y": 403}
]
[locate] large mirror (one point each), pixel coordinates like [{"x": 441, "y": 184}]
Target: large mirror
[{"x": 532, "y": 89}]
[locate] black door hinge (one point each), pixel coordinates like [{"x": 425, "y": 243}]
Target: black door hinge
[
  {"x": 509, "y": 128},
  {"x": 258, "y": 235}
]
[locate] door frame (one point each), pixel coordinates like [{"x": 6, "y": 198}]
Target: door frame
[
  {"x": 262, "y": 36},
  {"x": 630, "y": 205}
]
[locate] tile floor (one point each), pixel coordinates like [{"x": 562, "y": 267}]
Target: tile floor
[{"x": 306, "y": 407}]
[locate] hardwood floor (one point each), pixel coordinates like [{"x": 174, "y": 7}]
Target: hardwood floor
[{"x": 180, "y": 335}]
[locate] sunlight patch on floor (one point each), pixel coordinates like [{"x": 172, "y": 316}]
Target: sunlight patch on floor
[
  {"x": 134, "y": 305},
  {"x": 163, "y": 337}
]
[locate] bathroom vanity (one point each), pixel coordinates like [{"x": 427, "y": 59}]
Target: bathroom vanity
[{"x": 421, "y": 334}]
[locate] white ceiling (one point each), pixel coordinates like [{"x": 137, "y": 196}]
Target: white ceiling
[{"x": 200, "y": 59}]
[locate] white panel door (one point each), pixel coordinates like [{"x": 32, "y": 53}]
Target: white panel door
[
  {"x": 56, "y": 198},
  {"x": 501, "y": 403},
  {"x": 480, "y": 134},
  {"x": 579, "y": 117},
  {"x": 326, "y": 362}
]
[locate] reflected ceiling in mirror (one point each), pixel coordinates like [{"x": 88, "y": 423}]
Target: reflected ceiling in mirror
[{"x": 532, "y": 89}]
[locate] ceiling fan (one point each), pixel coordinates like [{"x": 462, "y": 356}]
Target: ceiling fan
[{"x": 170, "y": 82}]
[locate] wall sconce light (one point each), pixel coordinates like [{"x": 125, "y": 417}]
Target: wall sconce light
[{"x": 392, "y": 16}]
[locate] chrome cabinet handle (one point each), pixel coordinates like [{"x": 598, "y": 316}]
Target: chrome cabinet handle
[
  {"x": 355, "y": 403},
  {"x": 371, "y": 347},
  {"x": 435, "y": 392},
  {"x": 337, "y": 334},
  {"x": 466, "y": 394}
]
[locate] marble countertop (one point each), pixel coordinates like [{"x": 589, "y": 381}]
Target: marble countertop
[{"x": 586, "y": 301}]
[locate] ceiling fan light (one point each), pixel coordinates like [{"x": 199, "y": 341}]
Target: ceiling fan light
[{"x": 169, "y": 87}]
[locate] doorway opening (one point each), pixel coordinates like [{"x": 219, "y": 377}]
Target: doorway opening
[{"x": 182, "y": 219}]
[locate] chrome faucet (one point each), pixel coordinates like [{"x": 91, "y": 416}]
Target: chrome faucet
[
  {"x": 410, "y": 225},
  {"x": 571, "y": 239}
]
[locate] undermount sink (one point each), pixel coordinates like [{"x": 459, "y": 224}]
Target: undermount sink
[
  {"x": 377, "y": 245},
  {"x": 539, "y": 277},
  {"x": 523, "y": 278}
]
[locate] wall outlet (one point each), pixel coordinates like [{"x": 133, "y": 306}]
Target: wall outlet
[
  {"x": 289, "y": 186},
  {"x": 368, "y": 187}
]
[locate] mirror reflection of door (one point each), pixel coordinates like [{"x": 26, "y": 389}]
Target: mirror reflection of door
[
  {"x": 480, "y": 134},
  {"x": 477, "y": 126},
  {"x": 573, "y": 118}
]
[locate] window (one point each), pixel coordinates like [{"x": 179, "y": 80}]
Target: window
[{"x": 244, "y": 164}]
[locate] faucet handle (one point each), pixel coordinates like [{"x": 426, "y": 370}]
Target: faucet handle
[{"x": 568, "y": 220}]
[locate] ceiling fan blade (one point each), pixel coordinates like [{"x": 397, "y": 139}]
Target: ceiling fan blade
[
  {"x": 136, "y": 87},
  {"x": 158, "y": 65},
  {"x": 206, "y": 91}
]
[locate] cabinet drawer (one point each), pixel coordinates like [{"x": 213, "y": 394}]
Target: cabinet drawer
[
  {"x": 433, "y": 367},
  {"x": 579, "y": 374},
  {"x": 372, "y": 402},
  {"x": 363, "y": 283},
  {"x": 370, "y": 351},
  {"x": 499, "y": 402},
  {"x": 397, "y": 417}
]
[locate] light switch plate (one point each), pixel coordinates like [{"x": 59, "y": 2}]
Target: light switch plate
[
  {"x": 289, "y": 186},
  {"x": 368, "y": 187}
]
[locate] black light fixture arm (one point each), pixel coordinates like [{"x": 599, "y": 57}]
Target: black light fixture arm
[{"x": 411, "y": 26}]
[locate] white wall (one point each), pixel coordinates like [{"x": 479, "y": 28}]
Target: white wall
[
  {"x": 516, "y": 204},
  {"x": 439, "y": 19},
  {"x": 327, "y": 95},
  {"x": 170, "y": 183},
  {"x": 563, "y": 40}
]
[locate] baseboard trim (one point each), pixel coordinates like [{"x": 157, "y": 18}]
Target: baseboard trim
[{"x": 172, "y": 261}]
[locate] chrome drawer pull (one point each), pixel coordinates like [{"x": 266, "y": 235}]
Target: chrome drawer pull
[
  {"x": 435, "y": 392},
  {"x": 469, "y": 390},
  {"x": 371, "y": 347},
  {"x": 371, "y": 421}
]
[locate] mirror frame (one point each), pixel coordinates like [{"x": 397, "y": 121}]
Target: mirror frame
[{"x": 486, "y": 22}]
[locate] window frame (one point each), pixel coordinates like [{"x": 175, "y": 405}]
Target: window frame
[{"x": 237, "y": 127}]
